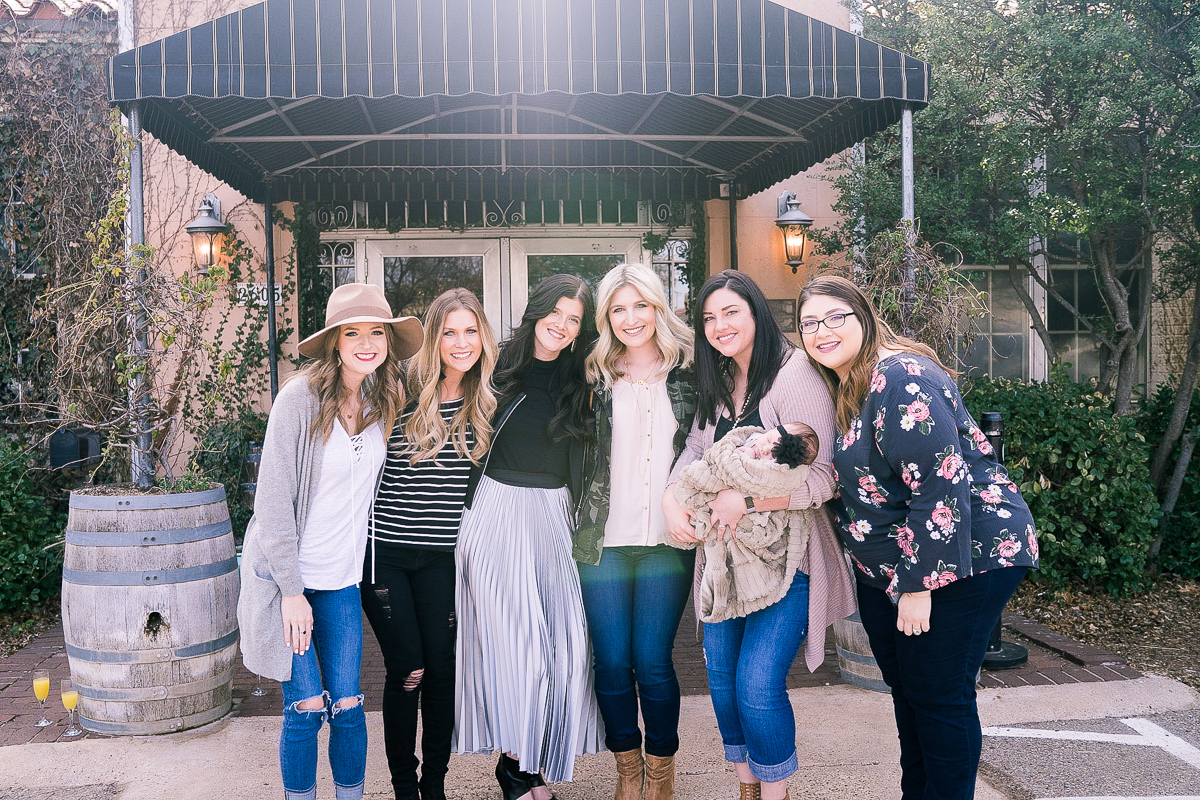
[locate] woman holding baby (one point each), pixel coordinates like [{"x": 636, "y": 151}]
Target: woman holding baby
[{"x": 748, "y": 374}]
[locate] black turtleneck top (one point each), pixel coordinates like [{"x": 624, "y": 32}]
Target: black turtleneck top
[{"x": 523, "y": 443}]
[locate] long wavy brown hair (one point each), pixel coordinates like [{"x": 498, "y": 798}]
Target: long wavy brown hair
[
  {"x": 425, "y": 431},
  {"x": 383, "y": 391},
  {"x": 848, "y": 395}
]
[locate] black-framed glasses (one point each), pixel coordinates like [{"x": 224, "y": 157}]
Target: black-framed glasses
[{"x": 809, "y": 326}]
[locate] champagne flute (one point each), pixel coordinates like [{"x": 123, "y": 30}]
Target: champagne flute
[
  {"x": 70, "y": 697},
  {"x": 41, "y": 690}
]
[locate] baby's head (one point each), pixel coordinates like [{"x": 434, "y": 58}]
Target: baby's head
[{"x": 792, "y": 444}]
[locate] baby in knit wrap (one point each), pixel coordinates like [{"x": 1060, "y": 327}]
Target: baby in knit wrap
[{"x": 749, "y": 570}]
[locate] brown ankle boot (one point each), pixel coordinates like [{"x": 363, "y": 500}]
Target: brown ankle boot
[
  {"x": 631, "y": 773},
  {"x": 660, "y": 777},
  {"x": 751, "y": 791}
]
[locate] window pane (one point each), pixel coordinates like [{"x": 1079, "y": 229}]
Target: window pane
[
  {"x": 1066, "y": 349},
  {"x": 1008, "y": 356},
  {"x": 1060, "y": 319},
  {"x": 412, "y": 283},
  {"x": 1088, "y": 365},
  {"x": 1090, "y": 303},
  {"x": 343, "y": 275},
  {"x": 976, "y": 359},
  {"x": 590, "y": 268},
  {"x": 1008, "y": 312}
]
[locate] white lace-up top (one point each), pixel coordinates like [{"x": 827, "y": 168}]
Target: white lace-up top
[{"x": 335, "y": 532}]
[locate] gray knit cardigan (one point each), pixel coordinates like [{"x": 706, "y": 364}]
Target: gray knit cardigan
[{"x": 288, "y": 475}]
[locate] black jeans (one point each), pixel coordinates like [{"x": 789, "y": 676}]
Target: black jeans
[
  {"x": 410, "y": 606},
  {"x": 932, "y": 677}
]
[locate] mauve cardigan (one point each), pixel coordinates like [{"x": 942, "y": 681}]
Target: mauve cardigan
[
  {"x": 800, "y": 395},
  {"x": 288, "y": 476}
]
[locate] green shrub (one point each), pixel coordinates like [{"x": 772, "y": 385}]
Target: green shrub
[
  {"x": 1085, "y": 475},
  {"x": 220, "y": 455},
  {"x": 31, "y": 527},
  {"x": 1180, "y": 552}
]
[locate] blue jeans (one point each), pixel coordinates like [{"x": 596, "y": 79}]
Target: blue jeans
[
  {"x": 748, "y": 661},
  {"x": 633, "y": 601},
  {"x": 932, "y": 677},
  {"x": 329, "y": 670}
]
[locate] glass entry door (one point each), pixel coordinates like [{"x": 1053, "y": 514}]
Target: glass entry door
[
  {"x": 415, "y": 271},
  {"x": 589, "y": 258}
]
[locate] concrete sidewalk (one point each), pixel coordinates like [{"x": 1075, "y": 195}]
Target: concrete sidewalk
[{"x": 846, "y": 744}]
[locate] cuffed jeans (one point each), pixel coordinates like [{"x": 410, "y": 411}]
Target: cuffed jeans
[
  {"x": 411, "y": 609},
  {"x": 634, "y": 600},
  {"x": 932, "y": 677},
  {"x": 748, "y": 661},
  {"x": 329, "y": 670}
]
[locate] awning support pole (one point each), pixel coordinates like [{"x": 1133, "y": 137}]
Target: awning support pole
[
  {"x": 269, "y": 227},
  {"x": 733, "y": 259},
  {"x": 908, "y": 291},
  {"x": 142, "y": 465}
]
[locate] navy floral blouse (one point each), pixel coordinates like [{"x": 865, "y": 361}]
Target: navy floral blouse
[{"x": 923, "y": 500}]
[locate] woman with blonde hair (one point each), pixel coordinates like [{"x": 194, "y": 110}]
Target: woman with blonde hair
[
  {"x": 299, "y": 609},
  {"x": 939, "y": 534},
  {"x": 634, "y": 585},
  {"x": 409, "y": 575}
]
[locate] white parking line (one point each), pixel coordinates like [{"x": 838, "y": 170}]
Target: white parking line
[
  {"x": 1148, "y": 735},
  {"x": 1168, "y": 741}
]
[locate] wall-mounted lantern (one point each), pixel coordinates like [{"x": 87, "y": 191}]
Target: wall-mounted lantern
[
  {"x": 793, "y": 224},
  {"x": 205, "y": 231}
]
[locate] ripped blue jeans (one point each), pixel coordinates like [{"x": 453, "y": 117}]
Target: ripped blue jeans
[{"x": 329, "y": 670}]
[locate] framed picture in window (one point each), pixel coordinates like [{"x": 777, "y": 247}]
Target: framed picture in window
[{"x": 784, "y": 312}]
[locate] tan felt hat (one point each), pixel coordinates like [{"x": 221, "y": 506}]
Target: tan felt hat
[{"x": 363, "y": 302}]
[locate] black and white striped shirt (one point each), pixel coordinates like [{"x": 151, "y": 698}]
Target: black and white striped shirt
[{"x": 420, "y": 505}]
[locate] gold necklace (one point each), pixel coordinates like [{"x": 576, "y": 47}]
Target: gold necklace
[{"x": 627, "y": 373}]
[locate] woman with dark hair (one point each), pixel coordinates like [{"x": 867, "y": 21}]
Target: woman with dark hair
[
  {"x": 749, "y": 374},
  {"x": 408, "y": 578},
  {"x": 524, "y": 678},
  {"x": 939, "y": 535}
]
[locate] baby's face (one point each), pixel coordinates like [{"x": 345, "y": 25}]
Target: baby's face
[{"x": 764, "y": 444}]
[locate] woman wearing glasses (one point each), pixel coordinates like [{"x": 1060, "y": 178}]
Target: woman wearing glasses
[
  {"x": 939, "y": 535},
  {"x": 749, "y": 374}
]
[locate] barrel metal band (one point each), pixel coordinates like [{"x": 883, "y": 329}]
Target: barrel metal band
[
  {"x": 144, "y": 538},
  {"x": 857, "y": 658},
  {"x": 160, "y": 726},
  {"x": 93, "y": 502},
  {"x": 156, "y": 692},
  {"x": 151, "y": 656},
  {"x": 151, "y": 577}
]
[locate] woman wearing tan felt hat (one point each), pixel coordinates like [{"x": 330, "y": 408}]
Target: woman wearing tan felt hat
[{"x": 299, "y": 608}]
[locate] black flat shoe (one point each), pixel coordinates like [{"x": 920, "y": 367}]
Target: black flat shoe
[{"x": 513, "y": 783}]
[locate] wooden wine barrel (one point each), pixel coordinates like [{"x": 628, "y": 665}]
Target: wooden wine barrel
[
  {"x": 855, "y": 660},
  {"x": 149, "y": 608}
]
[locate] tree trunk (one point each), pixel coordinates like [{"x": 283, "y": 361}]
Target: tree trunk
[
  {"x": 1183, "y": 397},
  {"x": 1017, "y": 272},
  {"x": 1168, "y": 505}
]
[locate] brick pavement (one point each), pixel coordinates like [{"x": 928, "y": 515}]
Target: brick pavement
[{"x": 1053, "y": 659}]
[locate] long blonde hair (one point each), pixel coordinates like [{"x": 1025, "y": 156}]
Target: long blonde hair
[
  {"x": 383, "y": 393},
  {"x": 848, "y": 395},
  {"x": 672, "y": 336},
  {"x": 426, "y": 433}
]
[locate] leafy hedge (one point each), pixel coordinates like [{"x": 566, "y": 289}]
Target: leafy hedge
[
  {"x": 31, "y": 527},
  {"x": 1085, "y": 475},
  {"x": 220, "y": 455}
]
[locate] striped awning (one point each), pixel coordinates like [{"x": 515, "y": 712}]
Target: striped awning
[{"x": 338, "y": 100}]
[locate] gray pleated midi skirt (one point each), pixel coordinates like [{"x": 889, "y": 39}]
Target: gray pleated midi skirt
[{"x": 524, "y": 681}]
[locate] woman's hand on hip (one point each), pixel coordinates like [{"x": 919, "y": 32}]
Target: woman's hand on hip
[
  {"x": 727, "y": 508},
  {"x": 679, "y": 519},
  {"x": 297, "y": 623},
  {"x": 912, "y": 613}
]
